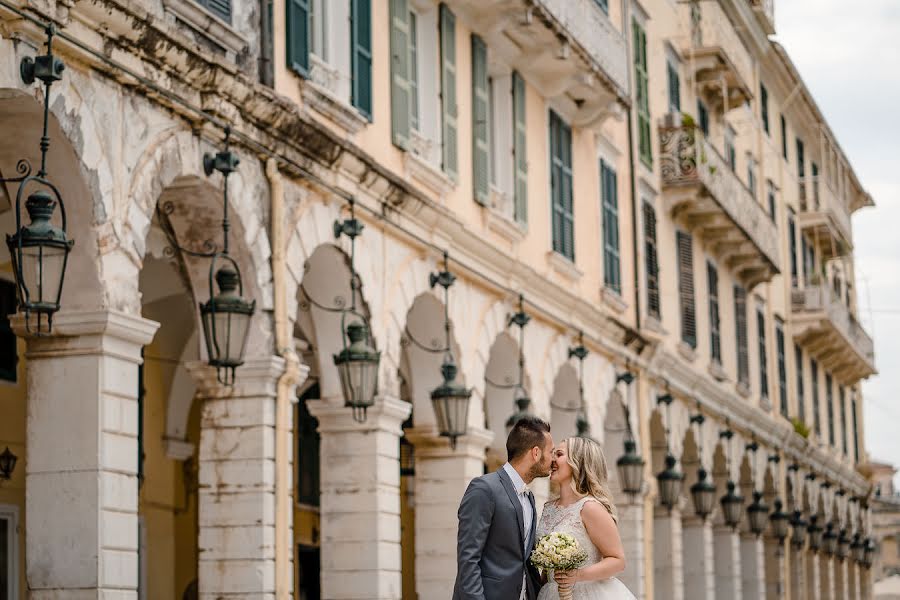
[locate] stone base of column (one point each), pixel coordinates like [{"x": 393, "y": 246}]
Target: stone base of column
[
  {"x": 826, "y": 578},
  {"x": 812, "y": 576},
  {"x": 360, "y": 499},
  {"x": 797, "y": 566},
  {"x": 442, "y": 475},
  {"x": 753, "y": 574},
  {"x": 774, "y": 566},
  {"x": 668, "y": 573},
  {"x": 727, "y": 561},
  {"x": 631, "y": 530},
  {"x": 699, "y": 577}
]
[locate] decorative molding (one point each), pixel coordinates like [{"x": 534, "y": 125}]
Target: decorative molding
[
  {"x": 717, "y": 371},
  {"x": 613, "y": 299},
  {"x": 687, "y": 352},
  {"x": 564, "y": 266},
  {"x": 499, "y": 223},
  {"x": 178, "y": 449},
  {"x": 430, "y": 444},
  {"x": 88, "y": 325},
  {"x": 429, "y": 175},
  {"x": 387, "y": 414},
  {"x": 206, "y": 24},
  {"x": 323, "y": 101}
]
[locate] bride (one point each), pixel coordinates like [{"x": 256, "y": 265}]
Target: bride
[{"x": 585, "y": 510}]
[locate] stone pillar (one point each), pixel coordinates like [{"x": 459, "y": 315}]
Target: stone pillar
[
  {"x": 442, "y": 475},
  {"x": 631, "y": 530},
  {"x": 774, "y": 566},
  {"x": 865, "y": 583},
  {"x": 852, "y": 580},
  {"x": 727, "y": 561},
  {"x": 668, "y": 574},
  {"x": 840, "y": 578},
  {"x": 826, "y": 578},
  {"x": 699, "y": 572},
  {"x": 812, "y": 576},
  {"x": 797, "y": 566},
  {"x": 236, "y": 461},
  {"x": 360, "y": 499},
  {"x": 753, "y": 574},
  {"x": 81, "y": 495}
]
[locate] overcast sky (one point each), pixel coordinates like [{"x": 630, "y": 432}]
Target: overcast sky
[{"x": 849, "y": 55}]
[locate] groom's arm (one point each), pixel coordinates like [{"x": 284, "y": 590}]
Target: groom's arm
[{"x": 475, "y": 514}]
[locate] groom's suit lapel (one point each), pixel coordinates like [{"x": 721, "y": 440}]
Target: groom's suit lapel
[
  {"x": 533, "y": 519},
  {"x": 513, "y": 497}
]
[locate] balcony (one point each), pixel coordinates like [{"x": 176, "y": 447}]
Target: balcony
[
  {"x": 700, "y": 190},
  {"x": 568, "y": 49},
  {"x": 826, "y": 327},
  {"x": 824, "y": 219},
  {"x": 722, "y": 65},
  {"x": 765, "y": 14}
]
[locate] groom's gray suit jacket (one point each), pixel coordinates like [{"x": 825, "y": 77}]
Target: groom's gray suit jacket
[{"x": 490, "y": 549}]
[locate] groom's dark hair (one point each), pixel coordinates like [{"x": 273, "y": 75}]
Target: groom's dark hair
[{"x": 527, "y": 433}]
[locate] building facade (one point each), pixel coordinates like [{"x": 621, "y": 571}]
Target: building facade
[{"x": 649, "y": 179}]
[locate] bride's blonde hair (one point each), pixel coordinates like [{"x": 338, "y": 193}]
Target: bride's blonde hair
[{"x": 589, "y": 473}]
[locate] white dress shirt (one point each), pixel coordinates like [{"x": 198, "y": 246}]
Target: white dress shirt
[{"x": 527, "y": 516}]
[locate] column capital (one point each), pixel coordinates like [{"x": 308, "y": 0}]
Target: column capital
[
  {"x": 258, "y": 376},
  {"x": 89, "y": 332},
  {"x": 429, "y": 442},
  {"x": 387, "y": 414}
]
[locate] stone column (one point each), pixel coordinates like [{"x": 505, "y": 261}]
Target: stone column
[
  {"x": 81, "y": 495},
  {"x": 727, "y": 562},
  {"x": 236, "y": 461},
  {"x": 442, "y": 475},
  {"x": 826, "y": 578},
  {"x": 852, "y": 580},
  {"x": 699, "y": 573},
  {"x": 812, "y": 576},
  {"x": 668, "y": 573},
  {"x": 631, "y": 530},
  {"x": 753, "y": 574},
  {"x": 360, "y": 499},
  {"x": 840, "y": 578},
  {"x": 797, "y": 567},
  {"x": 774, "y": 559}
]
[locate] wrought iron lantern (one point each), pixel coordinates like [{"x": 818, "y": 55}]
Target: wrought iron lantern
[
  {"x": 780, "y": 521},
  {"x": 669, "y": 481},
  {"x": 582, "y": 425},
  {"x": 521, "y": 399},
  {"x": 226, "y": 316},
  {"x": 450, "y": 400},
  {"x": 757, "y": 514},
  {"x": 858, "y": 548},
  {"x": 843, "y": 544},
  {"x": 39, "y": 251},
  {"x": 829, "y": 540},
  {"x": 799, "y": 530},
  {"x": 869, "y": 553},
  {"x": 703, "y": 493},
  {"x": 815, "y": 534},
  {"x": 631, "y": 468},
  {"x": 732, "y": 503},
  {"x": 7, "y": 464},
  {"x": 357, "y": 363}
]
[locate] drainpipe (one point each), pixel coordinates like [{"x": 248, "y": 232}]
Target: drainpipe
[{"x": 287, "y": 382}]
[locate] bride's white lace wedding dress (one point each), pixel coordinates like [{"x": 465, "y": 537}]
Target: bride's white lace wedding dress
[{"x": 568, "y": 520}]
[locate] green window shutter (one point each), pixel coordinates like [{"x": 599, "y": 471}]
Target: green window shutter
[
  {"x": 817, "y": 411},
  {"x": 612, "y": 277},
  {"x": 449, "y": 112},
  {"x": 685, "y": 249},
  {"x": 763, "y": 355},
  {"x": 298, "y": 36},
  {"x": 798, "y": 366},
  {"x": 782, "y": 368},
  {"x": 651, "y": 261},
  {"x": 361, "y": 55},
  {"x": 741, "y": 335},
  {"x": 561, "y": 187},
  {"x": 715, "y": 334},
  {"x": 642, "y": 91},
  {"x": 401, "y": 97},
  {"x": 519, "y": 157},
  {"x": 480, "y": 122}
]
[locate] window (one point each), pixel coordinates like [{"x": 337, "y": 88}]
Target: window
[
  {"x": 801, "y": 401},
  {"x": 784, "y": 144},
  {"x": 651, "y": 261},
  {"x": 801, "y": 173},
  {"x": 520, "y": 160},
  {"x": 414, "y": 71},
  {"x": 685, "y": 253},
  {"x": 561, "y": 187},
  {"x": 843, "y": 406},
  {"x": 361, "y": 56},
  {"x": 815, "y": 184},
  {"x": 307, "y": 450},
  {"x": 741, "y": 335},
  {"x": 751, "y": 176},
  {"x": 770, "y": 197},
  {"x": 220, "y": 8},
  {"x": 730, "y": 154},
  {"x": 782, "y": 367},
  {"x": 855, "y": 429},
  {"x": 674, "y": 84},
  {"x": 642, "y": 91},
  {"x": 764, "y": 107},
  {"x": 507, "y": 145},
  {"x": 829, "y": 401},
  {"x": 480, "y": 123},
  {"x": 703, "y": 117},
  {"x": 449, "y": 112},
  {"x": 715, "y": 342},
  {"x": 763, "y": 358},
  {"x": 318, "y": 28},
  {"x": 792, "y": 245},
  {"x": 612, "y": 277},
  {"x": 9, "y": 552},
  {"x": 9, "y": 356},
  {"x": 604, "y": 5},
  {"x": 817, "y": 412}
]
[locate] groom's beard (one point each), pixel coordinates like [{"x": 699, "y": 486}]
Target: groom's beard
[{"x": 538, "y": 470}]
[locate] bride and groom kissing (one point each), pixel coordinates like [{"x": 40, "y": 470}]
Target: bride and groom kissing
[{"x": 498, "y": 525}]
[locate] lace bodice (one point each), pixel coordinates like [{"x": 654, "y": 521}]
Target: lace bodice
[{"x": 567, "y": 519}]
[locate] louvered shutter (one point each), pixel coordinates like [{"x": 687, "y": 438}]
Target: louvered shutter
[
  {"x": 561, "y": 187},
  {"x": 519, "y": 157},
  {"x": 480, "y": 123},
  {"x": 715, "y": 337},
  {"x": 298, "y": 36},
  {"x": 817, "y": 411},
  {"x": 361, "y": 55},
  {"x": 567, "y": 194},
  {"x": 741, "y": 334},
  {"x": 401, "y": 98},
  {"x": 801, "y": 400},
  {"x": 782, "y": 368},
  {"x": 651, "y": 261},
  {"x": 448, "y": 91},
  {"x": 609, "y": 192},
  {"x": 220, "y": 8},
  {"x": 685, "y": 248},
  {"x": 763, "y": 355}
]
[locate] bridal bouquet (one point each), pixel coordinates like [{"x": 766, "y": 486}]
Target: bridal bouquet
[{"x": 558, "y": 552}]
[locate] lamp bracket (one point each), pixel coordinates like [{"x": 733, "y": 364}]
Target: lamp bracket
[
  {"x": 579, "y": 352},
  {"x": 752, "y": 447},
  {"x": 774, "y": 458},
  {"x": 699, "y": 419},
  {"x": 726, "y": 434},
  {"x": 225, "y": 162},
  {"x": 664, "y": 399}
]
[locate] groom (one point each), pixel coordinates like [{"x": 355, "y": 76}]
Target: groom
[{"x": 497, "y": 521}]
